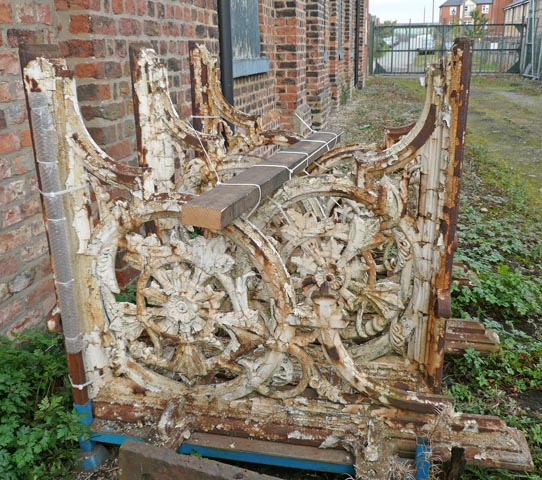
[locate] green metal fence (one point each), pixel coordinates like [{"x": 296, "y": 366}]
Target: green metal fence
[
  {"x": 532, "y": 53},
  {"x": 407, "y": 49}
]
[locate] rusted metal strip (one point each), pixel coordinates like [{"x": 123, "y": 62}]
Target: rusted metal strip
[
  {"x": 213, "y": 114},
  {"x": 486, "y": 439},
  {"x": 393, "y": 134},
  {"x": 375, "y": 160},
  {"x": 458, "y": 94}
]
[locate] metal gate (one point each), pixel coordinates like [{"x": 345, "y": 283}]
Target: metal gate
[
  {"x": 408, "y": 49},
  {"x": 532, "y": 53}
]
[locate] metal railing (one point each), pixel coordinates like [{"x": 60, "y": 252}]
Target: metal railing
[{"x": 407, "y": 49}]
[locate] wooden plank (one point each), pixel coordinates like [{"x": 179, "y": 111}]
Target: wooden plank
[
  {"x": 463, "y": 334},
  {"x": 140, "y": 461},
  {"x": 453, "y": 324},
  {"x": 458, "y": 348},
  {"x": 276, "y": 449},
  {"x": 220, "y": 206}
]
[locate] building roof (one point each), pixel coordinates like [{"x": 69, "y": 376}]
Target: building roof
[
  {"x": 457, "y": 3},
  {"x": 516, "y": 3},
  {"x": 452, "y": 3}
]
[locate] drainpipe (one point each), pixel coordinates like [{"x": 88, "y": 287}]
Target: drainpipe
[
  {"x": 226, "y": 51},
  {"x": 46, "y": 151},
  {"x": 356, "y": 42},
  {"x": 45, "y": 141}
]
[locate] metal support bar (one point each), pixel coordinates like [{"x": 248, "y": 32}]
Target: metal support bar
[{"x": 226, "y": 52}]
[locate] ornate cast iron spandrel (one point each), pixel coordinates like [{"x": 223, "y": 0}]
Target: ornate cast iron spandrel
[{"x": 310, "y": 321}]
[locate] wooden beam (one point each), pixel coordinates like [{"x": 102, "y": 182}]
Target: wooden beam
[
  {"x": 462, "y": 334},
  {"x": 220, "y": 206},
  {"x": 283, "y": 450},
  {"x": 140, "y": 461}
]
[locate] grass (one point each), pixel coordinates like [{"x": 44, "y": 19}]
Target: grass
[{"x": 383, "y": 102}]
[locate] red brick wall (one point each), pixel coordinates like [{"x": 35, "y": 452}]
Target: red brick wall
[
  {"x": 495, "y": 14},
  {"x": 290, "y": 61},
  {"x": 94, "y": 36},
  {"x": 318, "y": 84},
  {"x": 496, "y": 11},
  {"x": 26, "y": 288},
  {"x": 446, "y": 18}
]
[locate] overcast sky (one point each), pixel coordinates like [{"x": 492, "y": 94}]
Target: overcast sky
[{"x": 404, "y": 10}]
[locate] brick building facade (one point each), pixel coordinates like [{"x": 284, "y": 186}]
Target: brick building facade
[
  {"x": 307, "y": 44},
  {"x": 460, "y": 11}
]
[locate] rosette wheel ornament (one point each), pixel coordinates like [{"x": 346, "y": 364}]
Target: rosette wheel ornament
[
  {"x": 207, "y": 312},
  {"x": 353, "y": 243}
]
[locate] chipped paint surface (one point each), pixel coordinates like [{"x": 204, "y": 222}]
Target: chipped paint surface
[{"x": 314, "y": 320}]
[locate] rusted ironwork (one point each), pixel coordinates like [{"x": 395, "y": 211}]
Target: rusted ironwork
[
  {"x": 318, "y": 319},
  {"x": 393, "y": 134},
  {"x": 213, "y": 114}
]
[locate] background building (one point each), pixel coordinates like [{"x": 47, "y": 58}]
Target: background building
[{"x": 460, "y": 11}]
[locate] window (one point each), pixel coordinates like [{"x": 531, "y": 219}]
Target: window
[
  {"x": 466, "y": 10},
  {"x": 485, "y": 9},
  {"x": 245, "y": 26}
]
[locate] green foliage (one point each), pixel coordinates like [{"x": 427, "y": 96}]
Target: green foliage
[
  {"x": 388, "y": 28},
  {"x": 479, "y": 25},
  {"x": 502, "y": 260},
  {"x": 128, "y": 294},
  {"x": 39, "y": 430},
  {"x": 499, "y": 244},
  {"x": 493, "y": 384},
  {"x": 515, "y": 369},
  {"x": 345, "y": 94}
]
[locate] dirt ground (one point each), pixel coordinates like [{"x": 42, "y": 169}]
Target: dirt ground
[{"x": 505, "y": 115}]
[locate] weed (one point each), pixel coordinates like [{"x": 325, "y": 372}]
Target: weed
[
  {"x": 128, "y": 294},
  {"x": 39, "y": 430},
  {"x": 499, "y": 243},
  {"x": 345, "y": 94}
]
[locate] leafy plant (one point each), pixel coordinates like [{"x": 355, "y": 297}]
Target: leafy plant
[
  {"x": 478, "y": 26},
  {"x": 493, "y": 385},
  {"x": 499, "y": 245},
  {"x": 39, "y": 430},
  {"x": 128, "y": 294}
]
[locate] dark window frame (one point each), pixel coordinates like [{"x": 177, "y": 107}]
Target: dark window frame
[{"x": 246, "y": 41}]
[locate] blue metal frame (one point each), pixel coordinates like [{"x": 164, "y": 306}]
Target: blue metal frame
[
  {"x": 248, "y": 457},
  {"x": 85, "y": 417},
  {"x": 423, "y": 452},
  {"x": 93, "y": 454},
  {"x": 264, "y": 459}
]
